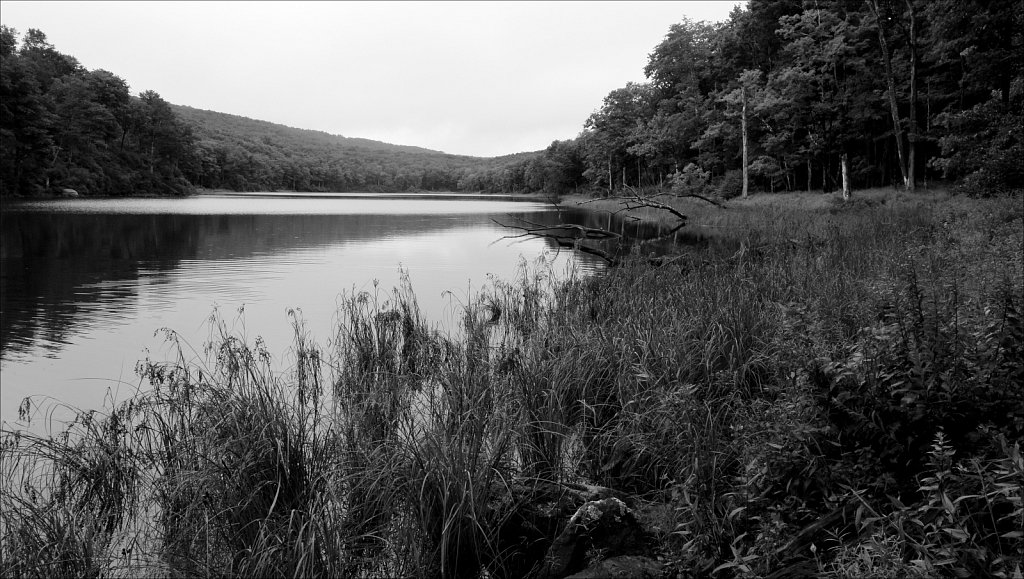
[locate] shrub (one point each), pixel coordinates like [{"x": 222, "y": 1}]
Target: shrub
[
  {"x": 927, "y": 366},
  {"x": 692, "y": 180},
  {"x": 730, "y": 185}
]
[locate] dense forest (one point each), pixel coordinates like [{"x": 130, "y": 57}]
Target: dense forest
[
  {"x": 904, "y": 91},
  {"x": 65, "y": 127},
  {"x": 784, "y": 95},
  {"x": 789, "y": 91}
]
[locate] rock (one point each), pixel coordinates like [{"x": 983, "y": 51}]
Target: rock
[
  {"x": 606, "y": 527},
  {"x": 537, "y": 512},
  {"x": 66, "y": 192},
  {"x": 624, "y": 567},
  {"x": 587, "y": 493}
]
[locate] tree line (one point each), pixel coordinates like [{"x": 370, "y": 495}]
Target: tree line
[
  {"x": 784, "y": 95},
  {"x": 792, "y": 95},
  {"x": 65, "y": 127}
]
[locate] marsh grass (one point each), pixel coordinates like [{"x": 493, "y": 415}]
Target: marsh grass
[{"x": 826, "y": 357}]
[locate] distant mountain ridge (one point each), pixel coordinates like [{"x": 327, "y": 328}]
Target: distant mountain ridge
[
  {"x": 196, "y": 117},
  {"x": 244, "y": 154}
]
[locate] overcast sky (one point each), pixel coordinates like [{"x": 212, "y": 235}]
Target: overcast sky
[{"x": 472, "y": 78}]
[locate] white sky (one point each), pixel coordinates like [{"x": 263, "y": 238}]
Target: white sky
[{"x": 472, "y": 78}]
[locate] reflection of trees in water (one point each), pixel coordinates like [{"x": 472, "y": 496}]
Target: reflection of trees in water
[
  {"x": 55, "y": 265},
  {"x": 60, "y": 268}
]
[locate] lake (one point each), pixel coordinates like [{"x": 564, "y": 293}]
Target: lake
[{"x": 87, "y": 283}]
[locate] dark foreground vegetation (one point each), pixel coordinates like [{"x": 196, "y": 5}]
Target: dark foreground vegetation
[{"x": 818, "y": 388}]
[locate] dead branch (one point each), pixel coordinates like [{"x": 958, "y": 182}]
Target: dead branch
[
  {"x": 579, "y": 231},
  {"x": 567, "y": 235},
  {"x": 572, "y": 236}
]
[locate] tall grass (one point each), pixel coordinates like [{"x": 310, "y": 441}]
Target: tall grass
[{"x": 820, "y": 358}]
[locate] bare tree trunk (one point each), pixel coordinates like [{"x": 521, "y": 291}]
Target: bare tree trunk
[
  {"x": 927, "y": 116},
  {"x": 609, "y": 174},
  {"x": 845, "y": 163},
  {"x": 743, "y": 124},
  {"x": 810, "y": 175},
  {"x": 891, "y": 82},
  {"x": 912, "y": 136}
]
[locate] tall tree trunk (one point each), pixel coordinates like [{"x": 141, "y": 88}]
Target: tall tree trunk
[
  {"x": 743, "y": 124},
  {"x": 890, "y": 80},
  {"x": 927, "y": 116},
  {"x": 810, "y": 174},
  {"x": 609, "y": 174},
  {"x": 844, "y": 161},
  {"x": 912, "y": 115}
]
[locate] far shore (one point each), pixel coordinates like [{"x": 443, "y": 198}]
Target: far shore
[{"x": 400, "y": 194}]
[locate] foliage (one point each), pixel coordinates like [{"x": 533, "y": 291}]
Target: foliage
[
  {"x": 824, "y": 94},
  {"x": 692, "y": 180},
  {"x": 64, "y": 127},
  {"x": 928, "y": 366},
  {"x": 985, "y": 146},
  {"x": 730, "y": 185},
  {"x": 242, "y": 154}
]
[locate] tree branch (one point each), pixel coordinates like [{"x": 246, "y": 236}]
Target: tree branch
[
  {"x": 570, "y": 235},
  {"x": 567, "y": 235}
]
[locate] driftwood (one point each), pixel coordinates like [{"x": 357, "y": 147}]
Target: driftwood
[
  {"x": 566, "y": 235},
  {"x": 607, "y": 526},
  {"x": 572, "y": 236},
  {"x": 794, "y": 554}
]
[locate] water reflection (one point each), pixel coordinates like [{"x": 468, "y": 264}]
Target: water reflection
[{"x": 84, "y": 284}]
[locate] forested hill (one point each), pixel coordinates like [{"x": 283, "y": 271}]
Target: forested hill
[
  {"x": 212, "y": 123},
  {"x": 65, "y": 127},
  {"x": 243, "y": 154}
]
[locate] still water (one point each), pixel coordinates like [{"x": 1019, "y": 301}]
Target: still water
[{"x": 86, "y": 285}]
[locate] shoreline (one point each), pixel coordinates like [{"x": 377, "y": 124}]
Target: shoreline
[
  {"x": 701, "y": 213},
  {"x": 200, "y": 192}
]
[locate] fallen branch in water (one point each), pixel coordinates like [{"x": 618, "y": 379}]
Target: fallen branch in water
[
  {"x": 566, "y": 235},
  {"x": 572, "y": 236}
]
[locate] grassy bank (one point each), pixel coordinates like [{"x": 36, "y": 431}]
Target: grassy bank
[{"x": 840, "y": 397}]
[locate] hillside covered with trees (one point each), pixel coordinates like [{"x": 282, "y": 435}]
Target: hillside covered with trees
[
  {"x": 243, "y": 154},
  {"x": 63, "y": 126}
]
